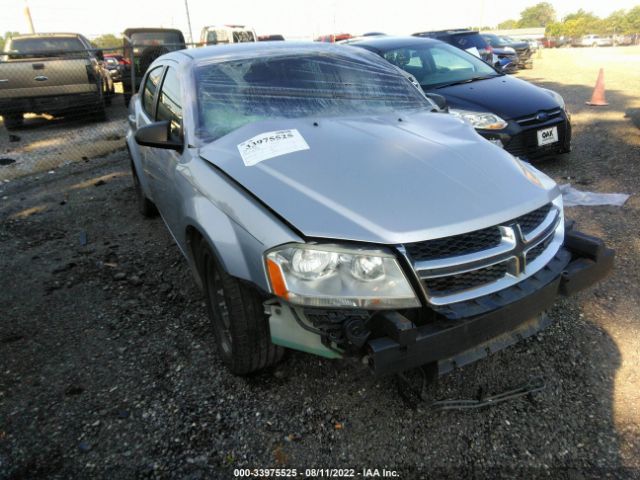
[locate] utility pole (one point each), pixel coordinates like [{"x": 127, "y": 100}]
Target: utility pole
[
  {"x": 186, "y": 6},
  {"x": 27, "y": 15}
]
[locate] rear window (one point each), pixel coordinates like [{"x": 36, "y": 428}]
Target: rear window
[
  {"x": 231, "y": 94},
  {"x": 171, "y": 40},
  {"x": 217, "y": 36},
  {"x": 46, "y": 47},
  {"x": 242, "y": 36},
  {"x": 468, "y": 40}
]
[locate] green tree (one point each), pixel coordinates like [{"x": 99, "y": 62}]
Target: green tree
[
  {"x": 508, "y": 24},
  {"x": 633, "y": 20},
  {"x": 616, "y": 22},
  {"x": 555, "y": 29},
  {"x": 582, "y": 23},
  {"x": 107, "y": 40},
  {"x": 540, "y": 15}
]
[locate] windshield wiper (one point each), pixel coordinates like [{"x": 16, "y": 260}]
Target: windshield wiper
[{"x": 468, "y": 80}]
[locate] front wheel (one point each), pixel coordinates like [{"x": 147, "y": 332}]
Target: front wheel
[{"x": 240, "y": 327}]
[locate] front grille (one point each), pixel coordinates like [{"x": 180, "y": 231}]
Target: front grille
[
  {"x": 534, "y": 120},
  {"x": 536, "y": 251},
  {"x": 523, "y": 54},
  {"x": 530, "y": 221},
  {"x": 525, "y": 144},
  {"x": 451, "y": 268},
  {"x": 465, "y": 281},
  {"x": 457, "y": 245}
]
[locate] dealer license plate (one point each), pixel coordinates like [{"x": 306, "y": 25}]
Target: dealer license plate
[{"x": 547, "y": 136}]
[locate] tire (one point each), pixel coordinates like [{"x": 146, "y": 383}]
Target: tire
[
  {"x": 13, "y": 120},
  {"x": 235, "y": 309},
  {"x": 145, "y": 206}
]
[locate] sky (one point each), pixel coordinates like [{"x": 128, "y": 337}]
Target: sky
[{"x": 291, "y": 18}]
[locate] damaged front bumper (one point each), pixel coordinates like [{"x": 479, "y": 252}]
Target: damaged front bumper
[
  {"x": 459, "y": 333},
  {"x": 581, "y": 262}
]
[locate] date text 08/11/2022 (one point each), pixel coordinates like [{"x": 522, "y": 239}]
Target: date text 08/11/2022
[{"x": 316, "y": 473}]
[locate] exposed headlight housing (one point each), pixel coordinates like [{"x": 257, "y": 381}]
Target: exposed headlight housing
[
  {"x": 333, "y": 276},
  {"x": 557, "y": 97},
  {"x": 480, "y": 120}
]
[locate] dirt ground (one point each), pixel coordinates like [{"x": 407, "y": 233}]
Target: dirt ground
[{"x": 108, "y": 366}]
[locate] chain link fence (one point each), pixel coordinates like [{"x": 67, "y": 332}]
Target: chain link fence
[{"x": 61, "y": 104}]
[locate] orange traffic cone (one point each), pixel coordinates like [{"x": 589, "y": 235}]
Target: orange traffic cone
[{"x": 597, "y": 99}]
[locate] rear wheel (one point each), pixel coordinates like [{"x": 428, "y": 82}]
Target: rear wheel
[
  {"x": 240, "y": 327},
  {"x": 13, "y": 120}
]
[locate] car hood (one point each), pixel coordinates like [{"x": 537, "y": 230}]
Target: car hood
[
  {"x": 504, "y": 95},
  {"x": 383, "y": 179}
]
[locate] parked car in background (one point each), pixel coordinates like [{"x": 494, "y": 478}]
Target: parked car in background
[
  {"x": 270, "y": 38},
  {"x": 556, "y": 42},
  {"x": 223, "y": 34},
  {"x": 592, "y": 41},
  {"x": 505, "y": 59},
  {"x": 347, "y": 218},
  {"x": 115, "y": 65},
  {"x": 622, "y": 40},
  {"x": 141, "y": 47},
  {"x": 522, "y": 49},
  {"x": 333, "y": 37},
  {"x": 54, "y": 73},
  {"x": 469, "y": 40},
  {"x": 528, "y": 121}
]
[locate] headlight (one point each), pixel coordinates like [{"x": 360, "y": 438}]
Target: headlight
[
  {"x": 558, "y": 98},
  {"x": 332, "y": 276},
  {"x": 480, "y": 120}
]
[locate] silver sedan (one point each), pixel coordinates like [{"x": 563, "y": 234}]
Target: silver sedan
[{"x": 326, "y": 205}]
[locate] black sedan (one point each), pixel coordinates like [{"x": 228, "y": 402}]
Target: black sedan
[{"x": 528, "y": 121}]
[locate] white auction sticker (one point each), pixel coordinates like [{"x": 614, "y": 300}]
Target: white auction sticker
[{"x": 271, "y": 144}]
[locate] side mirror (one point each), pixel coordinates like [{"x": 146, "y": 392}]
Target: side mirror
[
  {"x": 100, "y": 55},
  {"x": 158, "y": 135},
  {"x": 439, "y": 100}
]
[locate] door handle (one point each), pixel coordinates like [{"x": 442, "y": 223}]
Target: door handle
[{"x": 41, "y": 78}]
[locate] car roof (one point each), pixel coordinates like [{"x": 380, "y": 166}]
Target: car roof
[
  {"x": 52, "y": 34},
  {"x": 387, "y": 43},
  {"x": 461, "y": 31},
  {"x": 146, "y": 29}
]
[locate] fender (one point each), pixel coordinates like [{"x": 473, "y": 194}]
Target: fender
[
  {"x": 237, "y": 235},
  {"x": 134, "y": 154}
]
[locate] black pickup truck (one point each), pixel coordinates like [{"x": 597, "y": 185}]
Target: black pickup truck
[{"x": 141, "y": 47}]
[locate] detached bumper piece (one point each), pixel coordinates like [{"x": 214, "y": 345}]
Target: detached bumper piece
[{"x": 472, "y": 330}]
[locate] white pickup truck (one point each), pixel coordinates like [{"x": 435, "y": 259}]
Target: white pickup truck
[{"x": 54, "y": 73}]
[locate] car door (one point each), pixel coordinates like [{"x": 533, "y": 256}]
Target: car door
[
  {"x": 164, "y": 162},
  {"x": 146, "y": 115}
]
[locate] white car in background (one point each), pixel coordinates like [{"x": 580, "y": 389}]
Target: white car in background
[
  {"x": 594, "y": 41},
  {"x": 221, "y": 34}
]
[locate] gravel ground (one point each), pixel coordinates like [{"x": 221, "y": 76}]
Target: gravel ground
[
  {"x": 45, "y": 143},
  {"x": 109, "y": 367}
]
